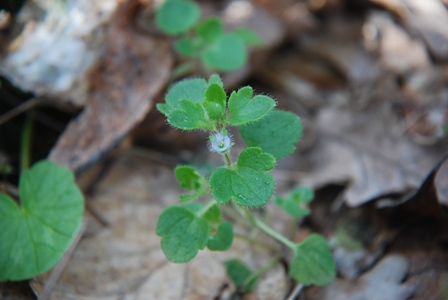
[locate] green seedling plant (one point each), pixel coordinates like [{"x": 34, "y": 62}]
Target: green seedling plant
[
  {"x": 241, "y": 184},
  {"x": 35, "y": 233},
  {"x": 205, "y": 41}
]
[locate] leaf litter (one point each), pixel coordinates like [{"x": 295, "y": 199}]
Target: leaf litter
[{"x": 372, "y": 124}]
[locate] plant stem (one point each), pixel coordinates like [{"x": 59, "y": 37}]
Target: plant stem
[
  {"x": 266, "y": 229},
  {"x": 25, "y": 153},
  {"x": 227, "y": 160},
  {"x": 261, "y": 270},
  {"x": 205, "y": 208}
]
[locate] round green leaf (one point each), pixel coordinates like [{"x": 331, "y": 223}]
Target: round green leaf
[
  {"x": 226, "y": 53},
  {"x": 313, "y": 262},
  {"x": 265, "y": 133},
  {"x": 192, "y": 89},
  {"x": 35, "y": 236},
  {"x": 183, "y": 234},
  {"x": 177, "y": 16}
]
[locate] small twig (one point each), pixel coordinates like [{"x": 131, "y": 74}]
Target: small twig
[
  {"x": 10, "y": 189},
  {"x": 96, "y": 214},
  {"x": 20, "y": 109},
  {"x": 297, "y": 290},
  {"x": 167, "y": 159},
  {"x": 59, "y": 268}
]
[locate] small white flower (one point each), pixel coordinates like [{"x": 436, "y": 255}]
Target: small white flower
[{"x": 220, "y": 143}]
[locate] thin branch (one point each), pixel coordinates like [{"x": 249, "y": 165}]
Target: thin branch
[
  {"x": 33, "y": 102},
  {"x": 59, "y": 268}
]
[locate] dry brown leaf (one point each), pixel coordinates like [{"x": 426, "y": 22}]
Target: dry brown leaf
[
  {"x": 59, "y": 44},
  {"x": 429, "y": 18},
  {"x": 382, "y": 282},
  {"x": 441, "y": 183},
  {"x": 364, "y": 149},
  {"x": 134, "y": 69},
  {"x": 125, "y": 261},
  {"x": 395, "y": 43}
]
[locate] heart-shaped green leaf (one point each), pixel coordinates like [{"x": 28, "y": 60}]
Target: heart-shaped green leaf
[
  {"x": 245, "y": 109},
  {"x": 313, "y": 262},
  {"x": 183, "y": 233},
  {"x": 223, "y": 238},
  {"x": 265, "y": 133},
  {"x": 34, "y": 236},
  {"x": 248, "y": 183}
]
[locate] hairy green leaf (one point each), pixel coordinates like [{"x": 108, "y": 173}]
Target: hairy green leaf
[
  {"x": 238, "y": 273},
  {"x": 223, "y": 238},
  {"x": 34, "y": 236},
  {"x": 245, "y": 109},
  {"x": 215, "y": 79},
  {"x": 192, "y": 89},
  {"x": 183, "y": 233},
  {"x": 265, "y": 133},
  {"x": 191, "y": 180},
  {"x": 226, "y": 53},
  {"x": 177, "y": 16},
  {"x": 293, "y": 205},
  {"x": 313, "y": 262},
  {"x": 189, "y": 116},
  {"x": 248, "y": 183},
  {"x": 210, "y": 29},
  {"x": 215, "y": 101}
]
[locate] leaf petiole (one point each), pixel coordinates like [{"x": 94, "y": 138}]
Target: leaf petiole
[
  {"x": 265, "y": 228},
  {"x": 205, "y": 208}
]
